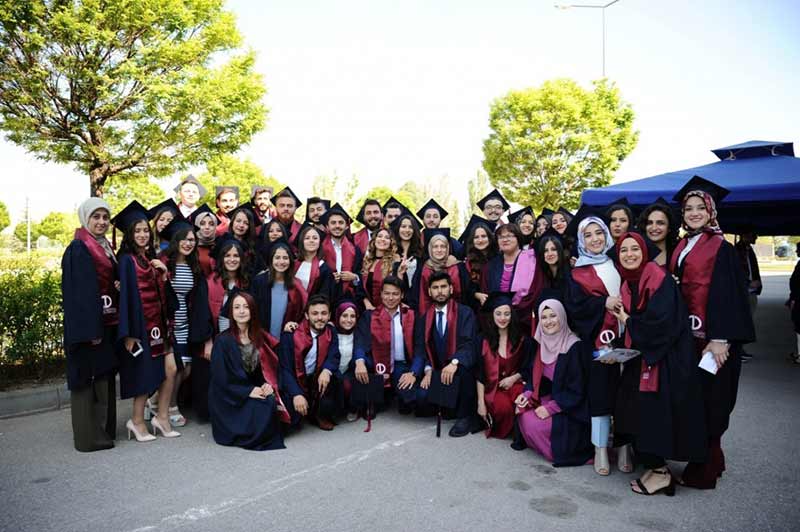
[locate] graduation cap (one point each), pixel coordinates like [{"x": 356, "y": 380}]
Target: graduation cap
[
  {"x": 335, "y": 209},
  {"x": 516, "y": 216},
  {"x": 553, "y": 233},
  {"x": 547, "y": 211},
  {"x": 132, "y": 213},
  {"x": 427, "y": 234},
  {"x": 168, "y": 205},
  {"x": 698, "y": 183},
  {"x": 174, "y": 227},
  {"x": 474, "y": 222},
  {"x": 444, "y": 396},
  {"x": 432, "y": 204},
  {"x": 584, "y": 212},
  {"x": 494, "y": 194},
  {"x": 297, "y": 202},
  {"x": 296, "y": 240},
  {"x": 661, "y": 201},
  {"x": 244, "y": 207},
  {"x": 222, "y": 241},
  {"x": 395, "y": 225},
  {"x": 258, "y": 189},
  {"x": 313, "y": 200},
  {"x": 498, "y": 299},
  {"x": 565, "y": 212},
  {"x": 218, "y": 191},
  {"x": 620, "y": 201},
  {"x": 192, "y": 179},
  {"x": 203, "y": 209},
  {"x": 393, "y": 200},
  {"x": 360, "y": 215}
]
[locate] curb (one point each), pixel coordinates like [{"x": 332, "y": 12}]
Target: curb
[{"x": 36, "y": 400}]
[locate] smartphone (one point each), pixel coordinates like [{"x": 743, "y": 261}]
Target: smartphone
[{"x": 138, "y": 351}]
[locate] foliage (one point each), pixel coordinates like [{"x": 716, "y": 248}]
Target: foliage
[
  {"x": 5, "y": 218},
  {"x": 549, "y": 143},
  {"x": 143, "y": 189},
  {"x": 338, "y": 190},
  {"x": 58, "y": 226},
  {"x": 232, "y": 171},
  {"x": 31, "y": 320},
  {"x": 476, "y": 190},
  {"x": 21, "y": 232},
  {"x": 126, "y": 88}
]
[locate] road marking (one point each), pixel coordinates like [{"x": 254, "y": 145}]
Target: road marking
[{"x": 194, "y": 514}]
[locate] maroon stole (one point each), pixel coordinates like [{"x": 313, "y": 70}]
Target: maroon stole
[
  {"x": 207, "y": 263},
  {"x": 154, "y": 300},
  {"x": 302, "y": 344},
  {"x": 224, "y": 221},
  {"x": 104, "y": 268},
  {"x": 361, "y": 240},
  {"x": 269, "y": 369},
  {"x": 430, "y": 329},
  {"x": 296, "y": 304},
  {"x": 591, "y": 283},
  {"x": 491, "y": 366},
  {"x": 374, "y": 281},
  {"x": 538, "y": 371},
  {"x": 424, "y": 299},
  {"x": 649, "y": 282},
  {"x": 313, "y": 276},
  {"x": 695, "y": 282},
  {"x": 380, "y": 328},
  {"x": 348, "y": 257}
]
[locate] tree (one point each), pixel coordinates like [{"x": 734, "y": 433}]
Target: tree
[
  {"x": 549, "y": 143},
  {"x": 143, "y": 189},
  {"x": 126, "y": 88},
  {"x": 5, "y": 218},
  {"x": 21, "y": 232},
  {"x": 232, "y": 171},
  {"x": 58, "y": 226},
  {"x": 476, "y": 190},
  {"x": 338, "y": 190}
]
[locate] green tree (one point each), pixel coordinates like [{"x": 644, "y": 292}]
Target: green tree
[
  {"x": 58, "y": 226},
  {"x": 126, "y": 88},
  {"x": 476, "y": 189},
  {"x": 549, "y": 143},
  {"x": 230, "y": 170},
  {"x": 143, "y": 189},
  {"x": 21, "y": 232},
  {"x": 338, "y": 190},
  {"x": 5, "y": 218}
]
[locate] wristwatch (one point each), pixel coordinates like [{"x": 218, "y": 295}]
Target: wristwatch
[{"x": 454, "y": 362}]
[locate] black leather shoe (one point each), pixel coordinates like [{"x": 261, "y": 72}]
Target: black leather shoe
[{"x": 461, "y": 428}]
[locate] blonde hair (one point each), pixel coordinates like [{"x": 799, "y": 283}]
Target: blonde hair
[{"x": 388, "y": 257}]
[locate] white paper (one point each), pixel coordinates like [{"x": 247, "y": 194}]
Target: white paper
[
  {"x": 708, "y": 363},
  {"x": 619, "y": 355}
]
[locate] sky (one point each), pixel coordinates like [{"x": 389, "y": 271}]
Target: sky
[{"x": 396, "y": 91}]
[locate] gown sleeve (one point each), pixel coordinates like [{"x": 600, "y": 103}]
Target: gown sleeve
[
  {"x": 334, "y": 357},
  {"x": 130, "y": 303},
  {"x": 569, "y": 389},
  {"x": 362, "y": 339},
  {"x": 728, "y": 310},
  {"x": 465, "y": 340},
  {"x": 227, "y": 373},
  {"x": 654, "y": 330},
  {"x": 286, "y": 354},
  {"x": 83, "y": 315},
  {"x": 585, "y": 311}
]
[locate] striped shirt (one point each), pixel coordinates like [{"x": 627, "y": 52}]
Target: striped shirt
[{"x": 182, "y": 282}]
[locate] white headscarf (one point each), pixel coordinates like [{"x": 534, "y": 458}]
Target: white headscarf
[
  {"x": 85, "y": 211},
  {"x": 586, "y": 257}
]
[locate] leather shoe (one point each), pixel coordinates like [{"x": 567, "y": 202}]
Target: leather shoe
[
  {"x": 324, "y": 424},
  {"x": 461, "y": 428}
]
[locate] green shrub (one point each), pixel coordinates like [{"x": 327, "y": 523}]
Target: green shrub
[{"x": 31, "y": 319}]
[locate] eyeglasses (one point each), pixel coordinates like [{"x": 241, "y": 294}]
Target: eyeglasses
[{"x": 506, "y": 237}]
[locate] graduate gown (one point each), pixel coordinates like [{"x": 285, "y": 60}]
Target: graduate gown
[
  {"x": 236, "y": 418},
  {"x": 494, "y": 368}
]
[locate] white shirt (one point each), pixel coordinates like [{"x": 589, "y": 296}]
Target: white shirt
[
  {"x": 692, "y": 241},
  {"x": 345, "y": 350},
  {"x": 398, "y": 344},
  {"x": 311, "y": 356},
  {"x": 337, "y": 248},
  {"x": 303, "y": 274},
  {"x": 185, "y": 210},
  {"x": 411, "y": 268}
]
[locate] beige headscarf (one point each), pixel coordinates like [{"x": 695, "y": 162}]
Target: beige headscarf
[
  {"x": 437, "y": 265},
  {"x": 85, "y": 212}
]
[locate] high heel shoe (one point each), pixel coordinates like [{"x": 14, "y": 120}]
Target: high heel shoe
[
  {"x": 625, "y": 459},
  {"x": 149, "y": 410},
  {"x": 139, "y": 436},
  {"x": 668, "y": 490},
  {"x": 601, "y": 466},
  {"x": 157, "y": 426}
]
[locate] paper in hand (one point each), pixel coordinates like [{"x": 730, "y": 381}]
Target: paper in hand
[
  {"x": 618, "y": 355},
  {"x": 708, "y": 363}
]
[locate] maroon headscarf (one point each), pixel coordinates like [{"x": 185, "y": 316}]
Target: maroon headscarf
[
  {"x": 712, "y": 226},
  {"x": 632, "y": 276},
  {"x": 340, "y": 308}
]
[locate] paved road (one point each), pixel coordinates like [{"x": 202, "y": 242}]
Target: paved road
[{"x": 400, "y": 477}]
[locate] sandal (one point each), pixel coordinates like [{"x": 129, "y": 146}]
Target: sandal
[
  {"x": 601, "y": 466},
  {"x": 176, "y": 419},
  {"x": 625, "y": 459},
  {"x": 668, "y": 490}
]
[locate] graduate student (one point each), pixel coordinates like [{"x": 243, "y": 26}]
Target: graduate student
[
  {"x": 392, "y": 210},
  {"x": 371, "y": 217},
  {"x": 554, "y": 265},
  {"x": 242, "y": 227},
  {"x": 286, "y": 204},
  {"x": 384, "y": 344},
  {"x": 227, "y": 199},
  {"x": 380, "y": 261},
  {"x": 190, "y": 190},
  {"x": 161, "y": 215},
  {"x": 713, "y": 287},
  {"x": 620, "y": 218},
  {"x": 346, "y": 320},
  {"x": 261, "y": 199},
  {"x": 440, "y": 259},
  {"x": 340, "y": 254},
  {"x": 432, "y": 215},
  {"x": 244, "y": 393},
  {"x": 658, "y": 223},
  {"x": 315, "y": 209},
  {"x": 147, "y": 363},
  {"x": 205, "y": 225},
  {"x": 310, "y": 367},
  {"x": 444, "y": 354},
  {"x": 659, "y": 393},
  {"x": 407, "y": 234},
  {"x": 554, "y": 411},
  {"x": 504, "y": 363},
  {"x": 281, "y": 298},
  {"x": 91, "y": 315},
  {"x": 481, "y": 247},
  {"x": 493, "y": 205},
  {"x": 524, "y": 219},
  {"x": 543, "y": 221}
]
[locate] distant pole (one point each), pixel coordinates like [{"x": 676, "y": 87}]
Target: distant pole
[
  {"x": 28, "y": 216},
  {"x": 602, "y": 8}
]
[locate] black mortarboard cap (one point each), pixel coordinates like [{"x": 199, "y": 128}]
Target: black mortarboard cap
[
  {"x": 474, "y": 221},
  {"x": 168, "y": 204},
  {"x": 219, "y": 190},
  {"x": 360, "y": 215},
  {"x": 432, "y": 204},
  {"x": 698, "y": 183},
  {"x": 335, "y": 209},
  {"x": 552, "y": 232},
  {"x": 257, "y": 189},
  {"x": 564, "y": 211},
  {"x": 296, "y": 238},
  {"x": 224, "y": 239},
  {"x": 547, "y": 211},
  {"x": 192, "y": 179},
  {"x": 445, "y": 396},
  {"x": 620, "y": 201},
  {"x": 498, "y": 299},
  {"x": 494, "y": 194},
  {"x": 132, "y": 213},
  {"x": 297, "y": 202},
  {"x": 661, "y": 201},
  {"x": 370, "y": 394},
  {"x": 584, "y": 212},
  {"x": 515, "y": 216},
  {"x": 247, "y": 207},
  {"x": 200, "y": 210},
  {"x": 427, "y": 234},
  {"x": 391, "y": 200},
  {"x": 176, "y": 225},
  {"x": 395, "y": 225}
]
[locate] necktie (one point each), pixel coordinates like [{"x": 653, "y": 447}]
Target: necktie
[{"x": 439, "y": 324}]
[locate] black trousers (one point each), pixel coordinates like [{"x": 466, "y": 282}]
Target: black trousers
[{"x": 94, "y": 414}]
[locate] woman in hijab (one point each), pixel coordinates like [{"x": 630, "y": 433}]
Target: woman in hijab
[
  {"x": 90, "y": 291},
  {"x": 714, "y": 289},
  {"x": 656, "y": 407},
  {"x": 592, "y": 296},
  {"x": 440, "y": 259},
  {"x": 345, "y": 320},
  {"x": 554, "y": 411},
  {"x": 205, "y": 223}
]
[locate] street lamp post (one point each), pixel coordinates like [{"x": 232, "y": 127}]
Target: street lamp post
[{"x": 602, "y": 9}]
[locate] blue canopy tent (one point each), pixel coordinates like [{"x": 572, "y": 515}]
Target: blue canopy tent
[{"x": 763, "y": 178}]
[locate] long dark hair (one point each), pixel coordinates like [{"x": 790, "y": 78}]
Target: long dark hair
[
  {"x": 301, "y": 245},
  {"x": 250, "y": 236},
  {"x": 128, "y": 245},
  {"x": 492, "y": 333},
  {"x": 561, "y": 266},
  {"x": 268, "y": 226},
  {"x": 254, "y": 330},
  {"x": 172, "y": 253},
  {"x": 628, "y": 212},
  {"x": 476, "y": 256},
  {"x": 415, "y": 244},
  {"x": 671, "y": 239},
  {"x": 243, "y": 273},
  {"x": 288, "y": 275}
]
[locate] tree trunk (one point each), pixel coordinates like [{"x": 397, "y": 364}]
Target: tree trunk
[{"x": 97, "y": 179}]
